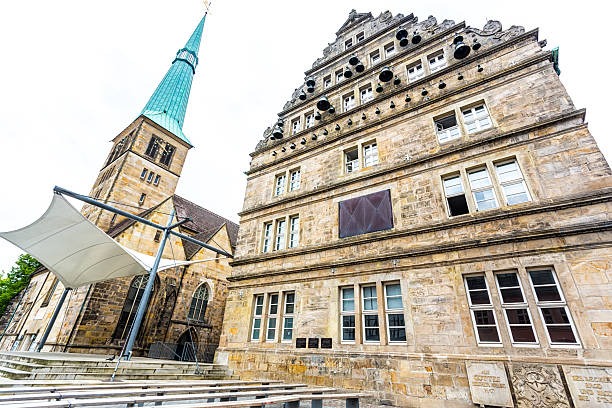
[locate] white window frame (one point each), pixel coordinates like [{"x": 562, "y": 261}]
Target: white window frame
[
  {"x": 360, "y": 37},
  {"x": 449, "y": 134},
  {"x": 268, "y": 237},
  {"x": 271, "y": 316},
  {"x": 366, "y": 94},
  {"x": 368, "y": 312},
  {"x": 295, "y": 179},
  {"x": 511, "y": 182},
  {"x": 370, "y": 154},
  {"x": 344, "y": 312},
  {"x": 375, "y": 57},
  {"x": 280, "y": 184},
  {"x": 483, "y": 188},
  {"x": 327, "y": 82},
  {"x": 309, "y": 122},
  {"x": 448, "y": 195},
  {"x": 339, "y": 76},
  {"x": 257, "y": 316},
  {"x": 288, "y": 315},
  {"x": 157, "y": 179},
  {"x": 483, "y": 307},
  {"x": 348, "y": 43},
  {"x": 348, "y": 101},
  {"x": 294, "y": 231},
  {"x": 553, "y": 304},
  {"x": 390, "y": 50},
  {"x": 150, "y": 177},
  {"x": 477, "y": 121},
  {"x": 418, "y": 73},
  {"x": 351, "y": 166},
  {"x": 280, "y": 234},
  {"x": 142, "y": 198},
  {"x": 295, "y": 126},
  {"x": 514, "y": 306},
  {"x": 143, "y": 174},
  {"x": 438, "y": 63},
  {"x": 394, "y": 311}
]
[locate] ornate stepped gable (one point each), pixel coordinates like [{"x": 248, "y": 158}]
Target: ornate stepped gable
[{"x": 490, "y": 35}]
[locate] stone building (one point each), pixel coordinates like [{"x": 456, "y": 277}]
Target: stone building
[
  {"x": 140, "y": 176},
  {"x": 429, "y": 219}
]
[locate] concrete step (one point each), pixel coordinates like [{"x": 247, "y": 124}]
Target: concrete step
[
  {"x": 130, "y": 376},
  {"x": 12, "y": 373}
]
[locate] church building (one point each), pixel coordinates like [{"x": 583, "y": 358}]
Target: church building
[
  {"x": 140, "y": 176},
  {"x": 428, "y": 220}
]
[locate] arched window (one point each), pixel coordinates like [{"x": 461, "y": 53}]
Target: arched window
[
  {"x": 130, "y": 306},
  {"x": 197, "y": 310}
]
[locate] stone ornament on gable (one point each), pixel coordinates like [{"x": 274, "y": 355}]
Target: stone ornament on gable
[
  {"x": 493, "y": 30},
  {"x": 538, "y": 386}
]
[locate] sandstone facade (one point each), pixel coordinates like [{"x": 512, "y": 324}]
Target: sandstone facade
[{"x": 512, "y": 198}]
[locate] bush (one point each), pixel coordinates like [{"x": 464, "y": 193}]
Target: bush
[{"x": 17, "y": 279}]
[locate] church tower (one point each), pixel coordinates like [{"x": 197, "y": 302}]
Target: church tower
[{"x": 147, "y": 157}]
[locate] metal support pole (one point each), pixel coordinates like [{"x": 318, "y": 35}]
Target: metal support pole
[
  {"x": 144, "y": 301},
  {"x": 52, "y": 321}
]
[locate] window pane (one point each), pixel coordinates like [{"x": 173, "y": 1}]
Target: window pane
[
  {"x": 371, "y": 328},
  {"x": 369, "y": 291},
  {"x": 476, "y": 282},
  {"x": 396, "y": 320},
  {"x": 257, "y": 323},
  {"x": 479, "y": 178},
  {"x": 484, "y": 317},
  {"x": 348, "y": 305},
  {"x": 348, "y": 321},
  {"x": 452, "y": 186},
  {"x": 513, "y": 295},
  {"x": 507, "y": 280},
  {"x": 522, "y": 334},
  {"x": 394, "y": 290},
  {"x": 479, "y": 297},
  {"x": 518, "y": 316},
  {"x": 370, "y": 304},
  {"x": 547, "y": 294},
  {"x": 542, "y": 277},
  {"x": 488, "y": 334},
  {"x": 394, "y": 302},
  {"x": 561, "y": 334},
  {"x": 555, "y": 315},
  {"x": 508, "y": 172},
  {"x": 458, "y": 205},
  {"x": 288, "y": 323}
]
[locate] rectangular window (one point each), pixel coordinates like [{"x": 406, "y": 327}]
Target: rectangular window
[
  {"x": 156, "y": 181},
  {"x": 339, "y": 76},
  {"x": 512, "y": 183},
  {"x": 257, "y": 316},
  {"x": 167, "y": 154},
  {"x": 415, "y": 72},
  {"x": 447, "y": 128},
  {"x": 153, "y": 147},
  {"x": 437, "y": 61},
  {"x": 143, "y": 174},
  {"x": 366, "y": 95},
  {"x": 482, "y": 190},
  {"x": 295, "y": 126},
  {"x": 280, "y": 235},
  {"x": 351, "y": 160},
  {"x": 327, "y": 82},
  {"x": 272, "y": 318},
  {"x": 396, "y": 325},
  {"x": 349, "y": 102},
  {"x": 389, "y": 50},
  {"x": 455, "y": 196},
  {"x": 267, "y": 237},
  {"x": 516, "y": 312},
  {"x": 360, "y": 37},
  {"x": 374, "y": 58},
  {"x": 481, "y": 309},
  {"x": 309, "y": 120},
  {"x": 347, "y": 314},
  {"x": 150, "y": 178},
  {"x": 371, "y": 327},
  {"x": 142, "y": 198},
  {"x": 294, "y": 231},
  {"x": 288, "y": 311},
  {"x": 348, "y": 43},
  {"x": 476, "y": 118},
  {"x": 553, "y": 308},
  {"x": 370, "y": 155},
  {"x": 157, "y": 236},
  {"x": 294, "y": 180},
  {"x": 279, "y": 184}
]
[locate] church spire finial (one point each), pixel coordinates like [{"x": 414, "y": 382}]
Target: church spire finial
[{"x": 168, "y": 103}]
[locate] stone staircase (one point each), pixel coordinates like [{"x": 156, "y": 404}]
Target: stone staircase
[{"x": 42, "y": 367}]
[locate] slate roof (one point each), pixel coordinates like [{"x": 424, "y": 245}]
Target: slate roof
[{"x": 204, "y": 223}]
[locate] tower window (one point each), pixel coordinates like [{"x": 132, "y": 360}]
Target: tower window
[
  {"x": 436, "y": 61},
  {"x": 348, "y": 43},
  {"x": 327, "y": 82},
  {"x": 294, "y": 180},
  {"x": 415, "y": 71},
  {"x": 349, "y": 102},
  {"x": 272, "y": 318},
  {"x": 153, "y": 147},
  {"x": 482, "y": 189},
  {"x": 389, "y": 50},
  {"x": 280, "y": 184},
  {"x": 197, "y": 309},
  {"x": 511, "y": 180},
  {"x": 294, "y": 231},
  {"x": 142, "y": 198},
  {"x": 267, "y": 237},
  {"x": 447, "y": 128},
  {"x": 370, "y": 154},
  {"x": 257, "y": 316},
  {"x": 476, "y": 118},
  {"x": 360, "y": 37},
  {"x": 295, "y": 126},
  {"x": 289, "y": 309},
  {"x": 143, "y": 174},
  {"x": 157, "y": 236},
  {"x": 150, "y": 178},
  {"x": 366, "y": 94},
  {"x": 167, "y": 154},
  {"x": 347, "y": 314},
  {"x": 351, "y": 160},
  {"x": 339, "y": 76},
  {"x": 481, "y": 308},
  {"x": 375, "y": 57},
  {"x": 455, "y": 196},
  {"x": 370, "y": 314},
  {"x": 309, "y": 120},
  {"x": 156, "y": 181}
]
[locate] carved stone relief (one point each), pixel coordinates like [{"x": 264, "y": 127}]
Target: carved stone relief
[{"x": 538, "y": 386}]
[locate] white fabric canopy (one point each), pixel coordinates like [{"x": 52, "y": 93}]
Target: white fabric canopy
[{"x": 77, "y": 251}]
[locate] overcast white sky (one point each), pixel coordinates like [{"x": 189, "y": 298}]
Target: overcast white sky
[{"x": 74, "y": 73}]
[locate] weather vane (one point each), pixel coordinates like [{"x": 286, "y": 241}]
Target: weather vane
[{"x": 207, "y": 5}]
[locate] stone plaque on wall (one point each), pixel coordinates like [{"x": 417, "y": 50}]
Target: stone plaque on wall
[
  {"x": 538, "y": 386},
  {"x": 313, "y": 342},
  {"x": 300, "y": 342},
  {"x": 488, "y": 383},
  {"x": 589, "y": 386}
]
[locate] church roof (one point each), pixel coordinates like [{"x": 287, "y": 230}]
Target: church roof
[{"x": 168, "y": 104}]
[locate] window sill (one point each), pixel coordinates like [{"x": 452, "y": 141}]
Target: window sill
[
  {"x": 565, "y": 346},
  {"x": 490, "y": 345},
  {"x": 525, "y": 345}
]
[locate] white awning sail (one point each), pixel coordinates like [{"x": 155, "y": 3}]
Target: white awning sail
[{"x": 77, "y": 251}]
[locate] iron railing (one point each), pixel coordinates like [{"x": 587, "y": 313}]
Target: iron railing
[{"x": 204, "y": 352}]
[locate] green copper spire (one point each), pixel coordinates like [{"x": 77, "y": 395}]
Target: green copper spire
[{"x": 168, "y": 103}]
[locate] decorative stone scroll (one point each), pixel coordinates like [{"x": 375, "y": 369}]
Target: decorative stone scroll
[
  {"x": 589, "y": 386},
  {"x": 489, "y": 383},
  {"x": 538, "y": 386}
]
